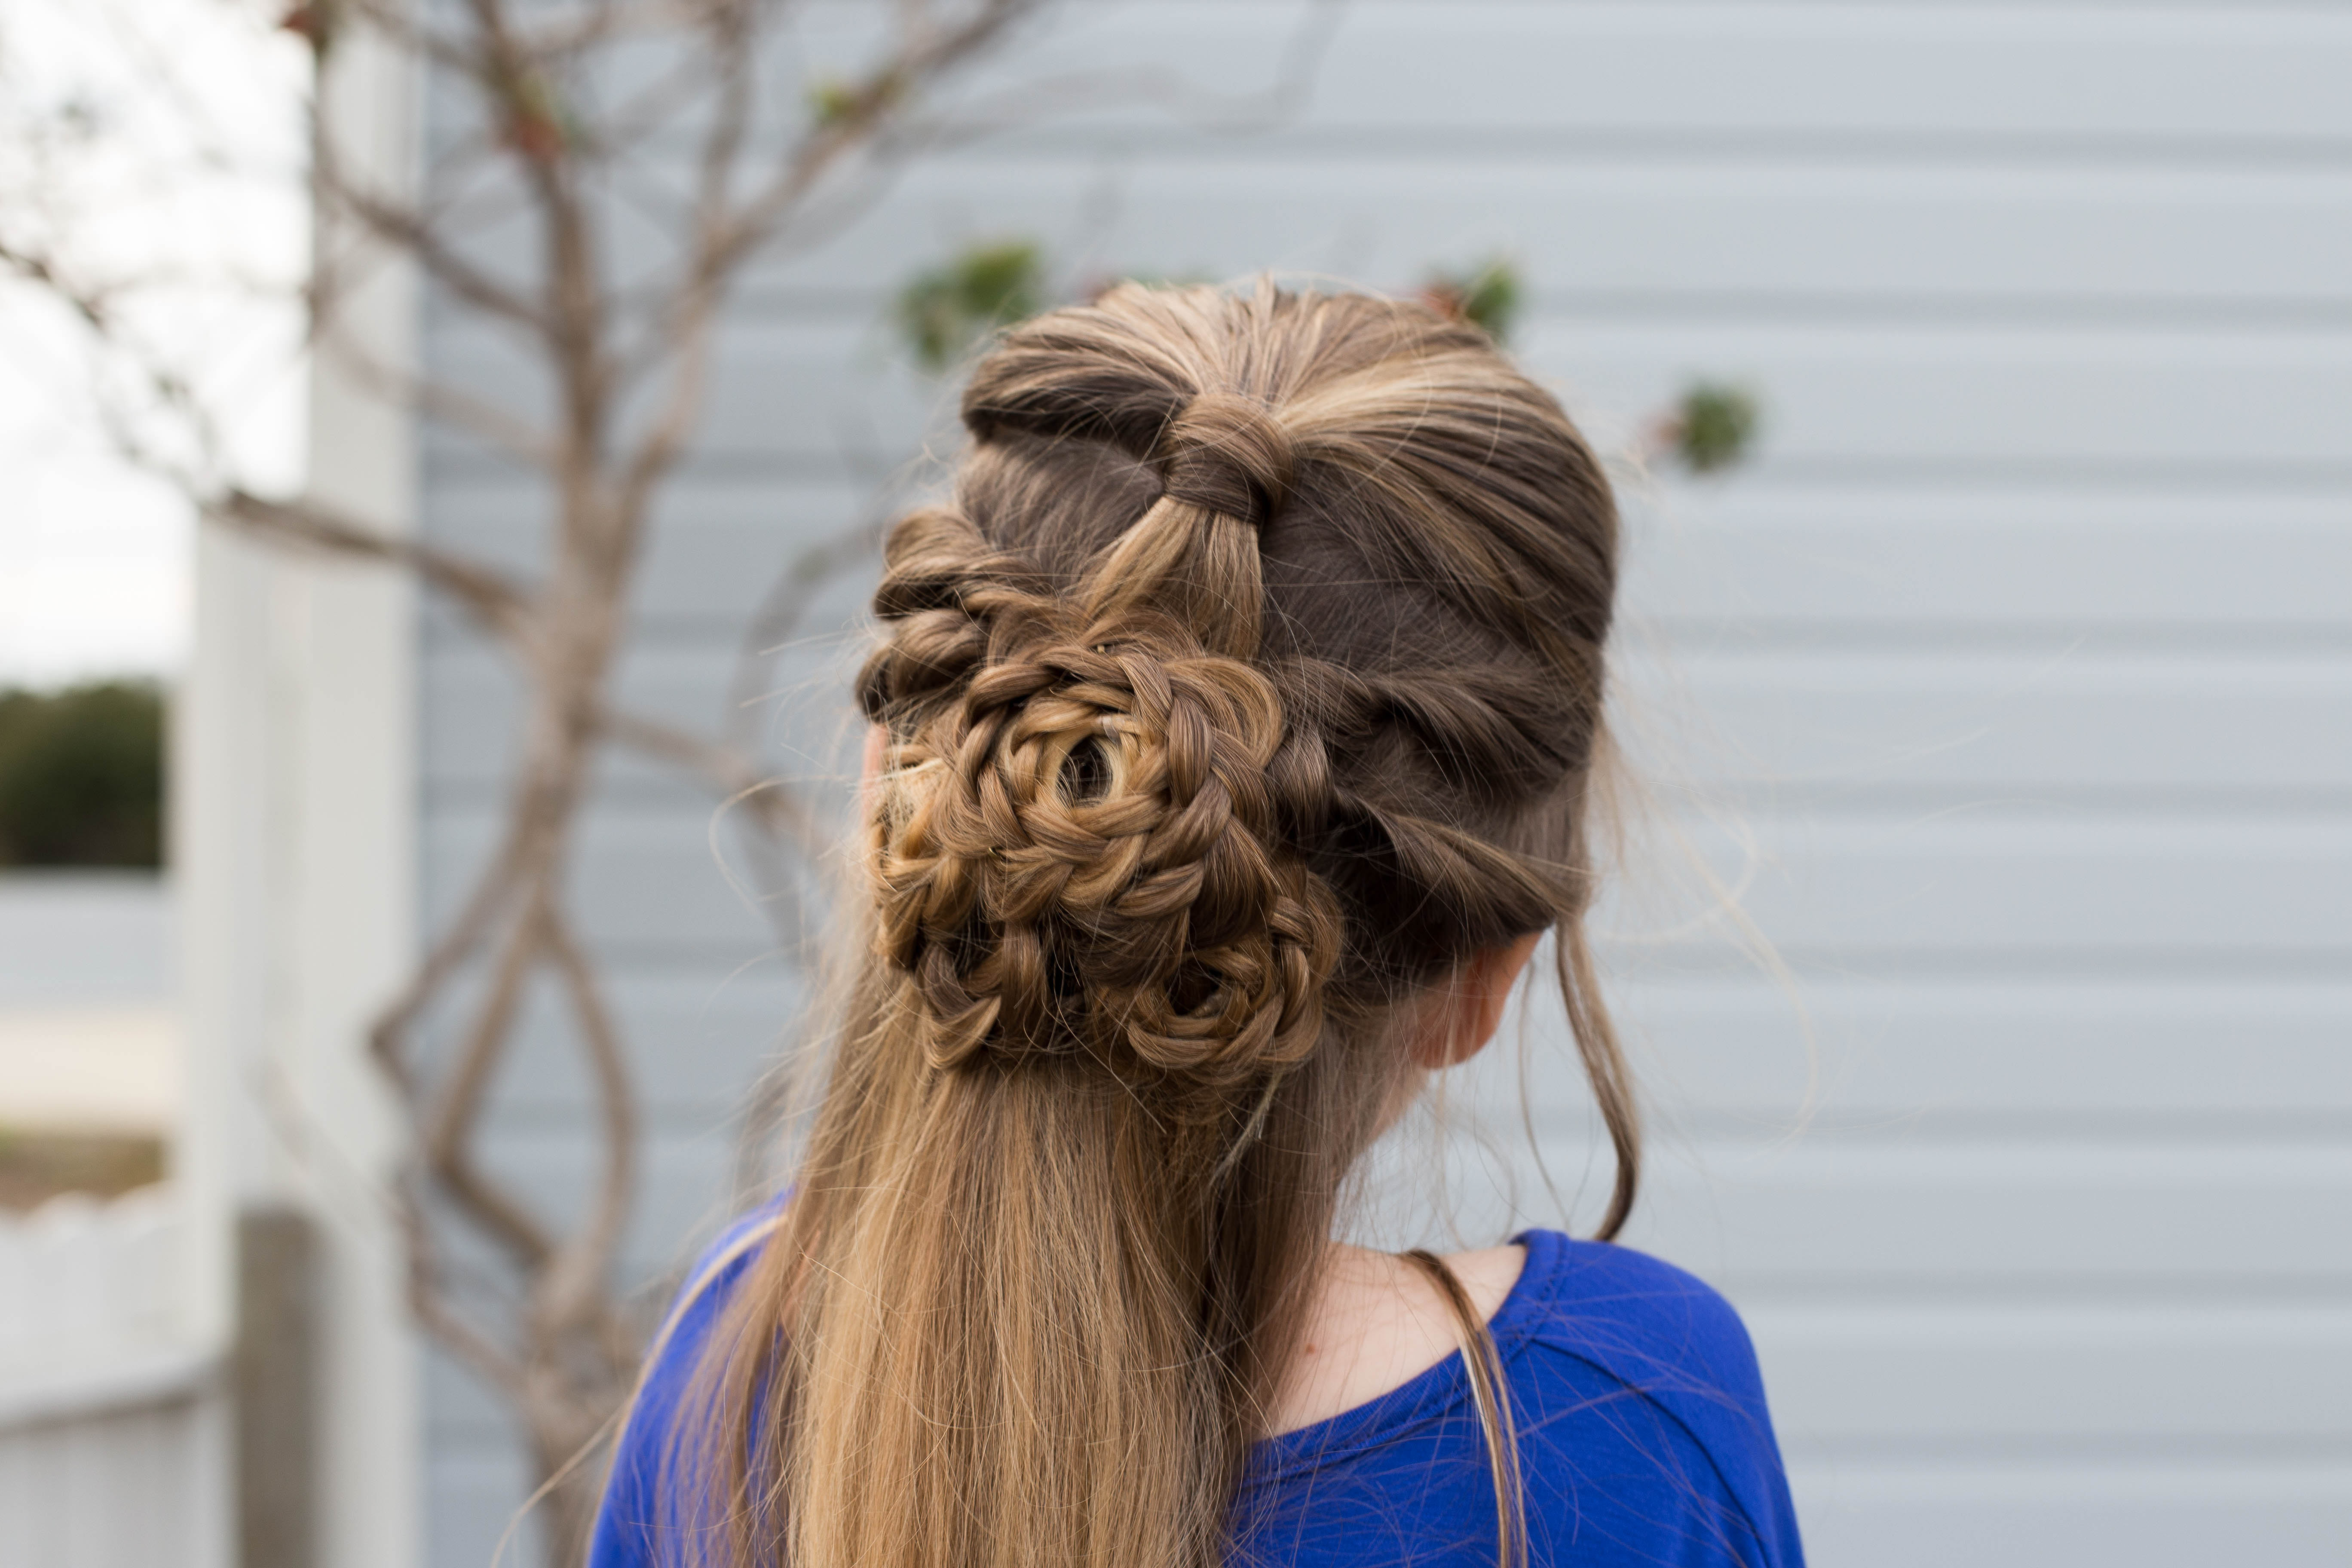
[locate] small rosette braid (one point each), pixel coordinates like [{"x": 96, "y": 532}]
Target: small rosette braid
[{"x": 1079, "y": 849}]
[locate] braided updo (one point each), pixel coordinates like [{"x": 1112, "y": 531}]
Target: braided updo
[
  {"x": 1256, "y": 669},
  {"x": 1083, "y": 848}
]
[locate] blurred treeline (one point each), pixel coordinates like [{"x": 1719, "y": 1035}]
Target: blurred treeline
[{"x": 81, "y": 775}]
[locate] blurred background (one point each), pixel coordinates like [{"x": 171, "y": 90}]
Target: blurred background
[{"x": 444, "y": 447}]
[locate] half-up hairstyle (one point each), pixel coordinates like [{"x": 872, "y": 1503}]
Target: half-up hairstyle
[{"x": 1249, "y": 685}]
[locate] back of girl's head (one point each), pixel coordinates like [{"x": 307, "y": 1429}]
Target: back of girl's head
[{"x": 1250, "y": 683}]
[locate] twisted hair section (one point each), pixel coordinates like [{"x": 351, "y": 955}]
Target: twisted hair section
[{"x": 1249, "y": 683}]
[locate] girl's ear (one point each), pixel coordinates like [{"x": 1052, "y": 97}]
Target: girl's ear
[{"x": 1464, "y": 1012}]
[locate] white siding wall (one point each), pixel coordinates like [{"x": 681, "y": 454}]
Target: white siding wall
[{"x": 2025, "y": 649}]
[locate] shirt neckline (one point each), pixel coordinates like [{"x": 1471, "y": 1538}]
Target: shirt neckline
[{"x": 1427, "y": 1393}]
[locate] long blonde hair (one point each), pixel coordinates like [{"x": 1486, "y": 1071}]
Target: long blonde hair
[{"x": 1250, "y": 682}]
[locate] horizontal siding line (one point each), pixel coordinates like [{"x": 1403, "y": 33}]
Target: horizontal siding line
[
  {"x": 469, "y": 785},
  {"x": 2253, "y": 477},
  {"x": 1794, "y": 1293},
  {"x": 2321, "y": 334},
  {"x": 551, "y": 1120},
  {"x": 659, "y": 961},
  {"x": 691, "y": 960},
  {"x": 2085, "y": 1450},
  {"x": 512, "y": 485},
  {"x": 1780, "y": 481},
  {"x": 2019, "y": 818},
  {"x": 1712, "y": 10},
  {"x": 1749, "y": 800},
  {"x": 2156, "y": 315},
  {"x": 2039, "y": 966},
  {"x": 1735, "y": 631},
  {"x": 468, "y": 1439},
  {"x": 465, "y": 484},
  {"x": 1763, "y": 630},
  {"x": 1704, "y": 996},
  {"x": 471, "y": 789},
  {"x": 1741, "y": 988},
  {"x": 658, "y": 1123},
  {"x": 1703, "y": 1133},
  {"x": 443, "y": 464},
  {"x": 1083, "y": 147},
  {"x": 2153, "y": 1169},
  {"x": 666, "y": 960},
  {"x": 471, "y": 1439},
  {"x": 1819, "y": 800},
  {"x": 1713, "y": 1147},
  {"x": 850, "y": 13},
  {"x": 1696, "y": 10},
  {"x": 1770, "y": 502},
  {"x": 2273, "y": 475},
  {"x": 1990, "y": 815},
  {"x": 722, "y": 635},
  {"x": 1788, "y": 481}
]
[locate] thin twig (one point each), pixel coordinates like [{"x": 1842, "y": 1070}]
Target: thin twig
[
  {"x": 574, "y": 1289},
  {"x": 448, "y": 1127},
  {"x": 494, "y": 600},
  {"x": 438, "y": 400},
  {"x": 731, "y": 773}
]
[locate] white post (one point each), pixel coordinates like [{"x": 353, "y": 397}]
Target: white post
[
  {"x": 296, "y": 851},
  {"x": 355, "y": 879}
]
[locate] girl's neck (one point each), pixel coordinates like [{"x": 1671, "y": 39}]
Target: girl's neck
[{"x": 1375, "y": 1324}]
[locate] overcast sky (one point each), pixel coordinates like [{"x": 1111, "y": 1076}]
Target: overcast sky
[{"x": 190, "y": 163}]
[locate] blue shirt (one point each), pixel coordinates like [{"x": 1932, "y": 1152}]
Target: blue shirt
[{"x": 1641, "y": 1427}]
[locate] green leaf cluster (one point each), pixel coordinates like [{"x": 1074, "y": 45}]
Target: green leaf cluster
[
  {"x": 944, "y": 312},
  {"x": 1488, "y": 298},
  {"x": 81, "y": 776},
  {"x": 1714, "y": 427},
  {"x": 834, "y": 100}
]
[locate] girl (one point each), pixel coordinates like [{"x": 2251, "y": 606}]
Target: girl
[{"x": 1233, "y": 743}]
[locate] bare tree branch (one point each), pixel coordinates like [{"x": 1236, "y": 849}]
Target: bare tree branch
[
  {"x": 438, "y": 400},
  {"x": 417, "y": 234},
  {"x": 574, "y": 1288},
  {"x": 729, "y": 771},
  {"x": 395, "y": 22},
  {"x": 448, "y": 1125},
  {"x": 1171, "y": 93},
  {"x": 494, "y": 600},
  {"x": 496, "y": 890},
  {"x": 692, "y": 312},
  {"x": 435, "y": 1306},
  {"x": 858, "y": 116},
  {"x": 488, "y": 595},
  {"x": 537, "y": 1321}
]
